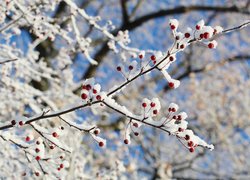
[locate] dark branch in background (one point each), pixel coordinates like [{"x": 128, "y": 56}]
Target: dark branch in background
[
  {"x": 125, "y": 17},
  {"x": 9, "y": 60},
  {"x": 99, "y": 56}
]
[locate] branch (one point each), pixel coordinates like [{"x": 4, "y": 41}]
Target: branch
[
  {"x": 9, "y": 60},
  {"x": 141, "y": 73}
]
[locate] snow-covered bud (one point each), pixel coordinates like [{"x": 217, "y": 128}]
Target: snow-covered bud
[
  {"x": 173, "y": 107},
  {"x": 174, "y": 23},
  {"x": 217, "y": 29},
  {"x": 212, "y": 44},
  {"x": 200, "y": 25},
  {"x": 174, "y": 83}
]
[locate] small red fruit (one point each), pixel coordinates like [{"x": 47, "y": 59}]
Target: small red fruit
[
  {"x": 201, "y": 36},
  {"x": 153, "y": 58},
  {"x": 88, "y": 87},
  {"x": 144, "y": 105},
  {"x": 197, "y": 27},
  {"x": 13, "y": 122},
  {"x": 118, "y": 68},
  {"x": 191, "y": 149},
  {"x": 96, "y": 132},
  {"x": 171, "y": 84},
  {"x": 173, "y": 110},
  {"x": 180, "y": 129},
  {"x": 38, "y": 158},
  {"x": 84, "y": 96},
  {"x": 211, "y": 45},
  {"x": 155, "y": 111},
  {"x": 98, "y": 97},
  {"x": 171, "y": 58},
  {"x": 101, "y": 144},
  {"x": 54, "y": 134},
  {"x": 37, "y": 150},
  {"x": 37, "y": 173},
  {"x": 172, "y": 27},
  {"x": 61, "y": 166},
  {"x": 187, "y": 35},
  {"x": 140, "y": 56},
  {"x": 190, "y": 143},
  {"x": 187, "y": 137},
  {"x": 27, "y": 139},
  {"x": 135, "y": 125},
  {"x": 94, "y": 91},
  {"x": 136, "y": 133},
  {"x": 206, "y": 35},
  {"x": 182, "y": 46},
  {"x": 125, "y": 141},
  {"x": 152, "y": 104},
  {"x": 37, "y": 142},
  {"x": 130, "y": 67},
  {"x": 20, "y": 123}
]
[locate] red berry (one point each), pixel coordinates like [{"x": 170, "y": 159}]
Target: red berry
[
  {"x": 182, "y": 46},
  {"x": 180, "y": 129},
  {"x": 118, "y": 68},
  {"x": 171, "y": 58},
  {"x": 27, "y": 139},
  {"x": 211, "y": 45},
  {"x": 215, "y": 31},
  {"x": 84, "y": 96},
  {"x": 20, "y": 123},
  {"x": 201, "y": 36},
  {"x": 58, "y": 169},
  {"x": 154, "y": 62},
  {"x": 177, "y": 38},
  {"x": 172, "y": 27},
  {"x": 54, "y": 134},
  {"x": 191, "y": 149},
  {"x": 169, "y": 109},
  {"x": 173, "y": 109},
  {"x": 96, "y": 132},
  {"x": 13, "y": 122},
  {"x": 135, "y": 125},
  {"x": 174, "y": 117},
  {"x": 61, "y": 166},
  {"x": 88, "y": 87},
  {"x": 152, "y": 104},
  {"x": 153, "y": 57},
  {"x": 187, "y": 35},
  {"x": 83, "y": 87},
  {"x": 136, "y": 133},
  {"x": 140, "y": 56},
  {"x": 206, "y": 35},
  {"x": 130, "y": 67},
  {"x": 126, "y": 141},
  {"x": 155, "y": 111},
  {"x": 144, "y": 105},
  {"x": 94, "y": 91},
  {"x": 101, "y": 144},
  {"x": 52, "y": 147},
  {"x": 37, "y": 142},
  {"x": 171, "y": 84},
  {"x": 187, "y": 137},
  {"x": 190, "y": 143},
  {"x": 37, "y": 173},
  {"x": 61, "y": 157},
  {"x": 179, "y": 117},
  {"x": 38, "y": 158},
  {"x": 37, "y": 150},
  {"x": 98, "y": 97},
  {"x": 197, "y": 27}
]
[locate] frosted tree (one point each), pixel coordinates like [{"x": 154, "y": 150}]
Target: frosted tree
[{"x": 57, "y": 125}]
